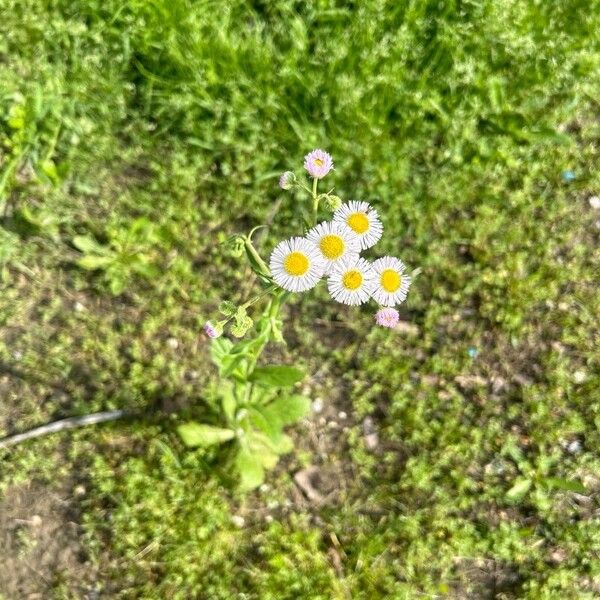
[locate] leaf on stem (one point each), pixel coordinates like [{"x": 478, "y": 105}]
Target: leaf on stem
[
  {"x": 200, "y": 435},
  {"x": 276, "y": 375}
]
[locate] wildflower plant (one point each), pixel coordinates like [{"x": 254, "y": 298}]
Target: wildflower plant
[{"x": 257, "y": 401}]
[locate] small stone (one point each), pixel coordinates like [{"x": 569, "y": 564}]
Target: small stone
[
  {"x": 407, "y": 328},
  {"x": 36, "y": 520},
  {"x": 79, "y": 490},
  {"x": 238, "y": 521},
  {"x": 371, "y": 435},
  {"x": 371, "y": 441},
  {"x": 498, "y": 384},
  {"x": 173, "y": 343},
  {"x": 594, "y": 202},
  {"x": 79, "y": 307},
  {"x": 342, "y": 415},
  {"x": 332, "y": 425},
  {"x": 368, "y": 426},
  {"x": 269, "y": 518},
  {"x": 574, "y": 447},
  {"x": 579, "y": 376},
  {"x": 317, "y": 405}
]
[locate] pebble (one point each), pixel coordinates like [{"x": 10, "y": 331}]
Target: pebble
[
  {"x": 317, "y": 405},
  {"x": 371, "y": 436},
  {"x": 238, "y": 521},
  {"x": 574, "y": 447},
  {"x": 594, "y": 202},
  {"x": 342, "y": 415},
  {"x": 79, "y": 307},
  {"x": 173, "y": 343},
  {"x": 371, "y": 441}
]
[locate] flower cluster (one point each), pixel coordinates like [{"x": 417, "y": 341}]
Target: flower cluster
[{"x": 332, "y": 249}]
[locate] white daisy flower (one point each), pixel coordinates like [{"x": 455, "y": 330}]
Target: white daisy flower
[
  {"x": 351, "y": 281},
  {"x": 296, "y": 265},
  {"x": 391, "y": 282},
  {"x": 335, "y": 241},
  {"x": 362, "y": 219}
]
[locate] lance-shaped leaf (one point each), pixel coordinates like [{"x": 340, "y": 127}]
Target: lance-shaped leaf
[{"x": 200, "y": 435}]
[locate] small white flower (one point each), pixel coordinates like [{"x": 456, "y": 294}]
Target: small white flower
[
  {"x": 362, "y": 219},
  {"x": 351, "y": 281},
  {"x": 334, "y": 241},
  {"x": 296, "y": 265},
  {"x": 391, "y": 282}
]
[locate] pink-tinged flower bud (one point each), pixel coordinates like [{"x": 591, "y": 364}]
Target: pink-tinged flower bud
[
  {"x": 211, "y": 331},
  {"x": 287, "y": 180},
  {"x": 387, "y": 317},
  {"x": 318, "y": 163}
]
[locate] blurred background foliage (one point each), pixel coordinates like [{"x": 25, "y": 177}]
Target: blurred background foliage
[{"x": 466, "y": 464}]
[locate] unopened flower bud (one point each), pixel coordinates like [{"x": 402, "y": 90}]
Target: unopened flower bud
[
  {"x": 287, "y": 180},
  {"x": 213, "y": 331},
  {"x": 333, "y": 202}
]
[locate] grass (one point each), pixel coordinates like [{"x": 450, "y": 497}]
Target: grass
[{"x": 462, "y": 121}]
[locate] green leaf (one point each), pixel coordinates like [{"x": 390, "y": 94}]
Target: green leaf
[
  {"x": 220, "y": 348},
  {"x": 276, "y": 375},
  {"x": 228, "y": 402},
  {"x": 224, "y": 354},
  {"x": 518, "y": 490},
  {"x": 49, "y": 169},
  {"x": 250, "y": 470},
  {"x": 261, "y": 446},
  {"x": 570, "y": 485},
  {"x": 197, "y": 434},
  {"x": 118, "y": 282},
  {"x": 241, "y": 327},
  {"x": 227, "y": 308},
  {"x": 91, "y": 262},
  {"x": 287, "y": 409},
  {"x": 89, "y": 245}
]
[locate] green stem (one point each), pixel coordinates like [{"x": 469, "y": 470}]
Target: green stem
[
  {"x": 256, "y": 256},
  {"x": 315, "y": 200}
]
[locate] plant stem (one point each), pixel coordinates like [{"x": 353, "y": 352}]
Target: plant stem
[
  {"x": 315, "y": 200},
  {"x": 61, "y": 425},
  {"x": 256, "y": 256}
]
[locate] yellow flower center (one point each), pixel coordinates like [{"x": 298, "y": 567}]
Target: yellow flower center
[
  {"x": 296, "y": 264},
  {"x": 358, "y": 222},
  {"x": 390, "y": 280},
  {"x": 332, "y": 246},
  {"x": 352, "y": 280},
  {"x": 318, "y": 162}
]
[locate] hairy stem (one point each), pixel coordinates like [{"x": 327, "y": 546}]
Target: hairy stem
[{"x": 315, "y": 200}]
